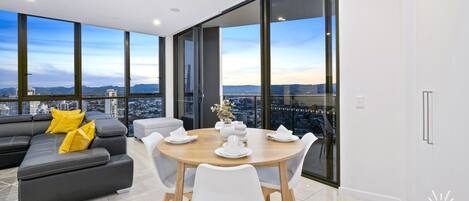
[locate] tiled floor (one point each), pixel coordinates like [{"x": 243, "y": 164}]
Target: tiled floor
[{"x": 144, "y": 177}]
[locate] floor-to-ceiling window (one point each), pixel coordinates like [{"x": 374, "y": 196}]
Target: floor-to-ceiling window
[
  {"x": 240, "y": 61},
  {"x": 302, "y": 91},
  {"x": 47, "y": 63}
]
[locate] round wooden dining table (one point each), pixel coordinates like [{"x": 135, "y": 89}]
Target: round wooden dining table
[{"x": 266, "y": 153}]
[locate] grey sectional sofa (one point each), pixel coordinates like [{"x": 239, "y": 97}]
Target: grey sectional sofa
[{"x": 44, "y": 174}]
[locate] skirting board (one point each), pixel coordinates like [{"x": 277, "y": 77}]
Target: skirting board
[{"x": 366, "y": 196}]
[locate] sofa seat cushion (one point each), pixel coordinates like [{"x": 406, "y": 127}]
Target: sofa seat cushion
[
  {"x": 14, "y": 143},
  {"x": 43, "y": 158}
]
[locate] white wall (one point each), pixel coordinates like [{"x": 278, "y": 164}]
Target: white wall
[
  {"x": 169, "y": 96},
  {"x": 373, "y": 139}
]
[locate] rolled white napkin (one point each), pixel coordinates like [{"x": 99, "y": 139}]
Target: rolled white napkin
[
  {"x": 219, "y": 125},
  {"x": 233, "y": 145},
  {"x": 283, "y": 132},
  {"x": 178, "y": 134}
]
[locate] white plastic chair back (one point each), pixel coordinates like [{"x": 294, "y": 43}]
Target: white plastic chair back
[
  {"x": 214, "y": 183},
  {"x": 164, "y": 167},
  {"x": 296, "y": 164}
]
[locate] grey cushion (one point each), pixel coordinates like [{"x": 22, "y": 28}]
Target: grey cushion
[
  {"x": 110, "y": 128},
  {"x": 81, "y": 184},
  {"x": 42, "y": 117},
  {"x": 114, "y": 145},
  {"x": 14, "y": 119},
  {"x": 93, "y": 115},
  {"x": 43, "y": 159},
  {"x": 40, "y": 123},
  {"x": 14, "y": 143},
  {"x": 40, "y": 127},
  {"x": 16, "y": 129}
]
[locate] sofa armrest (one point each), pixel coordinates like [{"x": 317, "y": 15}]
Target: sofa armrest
[{"x": 110, "y": 128}]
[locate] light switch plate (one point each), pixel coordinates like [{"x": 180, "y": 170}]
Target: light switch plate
[{"x": 360, "y": 102}]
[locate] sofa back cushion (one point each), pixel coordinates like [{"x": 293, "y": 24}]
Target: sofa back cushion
[
  {"x": 40, "y": 123},
  {"x": 20, "y": 125}
]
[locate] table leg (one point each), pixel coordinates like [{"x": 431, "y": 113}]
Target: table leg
[
  {"x": 286, "y": 195},
  {"x": 180, "y": 171}
]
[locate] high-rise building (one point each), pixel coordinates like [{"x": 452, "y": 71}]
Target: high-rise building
[
  {"x": 33, "y": 105},
  {"x": 110, "y": 105},
  {"x": 63, "y": 106},
  {"x": 4, "y": 110}
]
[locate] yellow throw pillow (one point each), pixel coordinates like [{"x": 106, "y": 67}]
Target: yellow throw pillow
[
  {"x": 78, "y": 139},
  {"x": 68, "y": 123},
  {"x": 57, "y": 115}
]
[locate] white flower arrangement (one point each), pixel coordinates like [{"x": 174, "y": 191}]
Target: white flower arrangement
[{"x": 224, "y": 111}]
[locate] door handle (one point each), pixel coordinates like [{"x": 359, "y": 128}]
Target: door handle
[
  {"x": 424, "y": 117},
  {"x": 427, "y": 115}
]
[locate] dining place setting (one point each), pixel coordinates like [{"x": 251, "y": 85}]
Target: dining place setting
[{"x": 229, "y": 146}]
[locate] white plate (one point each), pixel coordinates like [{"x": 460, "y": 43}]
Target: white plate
[
  {"x": 273, "y": 136},
  {"x": 221, "y": 152},
  {"x": 187, "y": 139}
]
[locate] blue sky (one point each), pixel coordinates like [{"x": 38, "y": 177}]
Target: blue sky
[
  {"x": 297, "y": 53},
  {"x": 50, "y": 54}
]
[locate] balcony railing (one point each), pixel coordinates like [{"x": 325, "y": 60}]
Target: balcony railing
[{"x": 300, "y": 113}]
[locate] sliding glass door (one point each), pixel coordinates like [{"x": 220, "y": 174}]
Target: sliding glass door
[
  {"x": 187, "y": 106},
  {"x": 302, "y": 91}
]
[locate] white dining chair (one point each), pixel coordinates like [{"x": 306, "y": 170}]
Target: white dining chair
[
  {"x": 214, "y": 183},
  {"x": 269, "y": 176},
  {"x": 166, "y": 169}
]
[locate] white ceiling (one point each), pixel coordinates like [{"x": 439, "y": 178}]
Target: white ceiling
[{"x": 129, "y": 15}]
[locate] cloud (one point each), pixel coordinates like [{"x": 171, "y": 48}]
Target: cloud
[{"x": 9, "y": 78}]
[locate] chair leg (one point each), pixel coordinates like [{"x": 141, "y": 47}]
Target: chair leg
[
  {"x": 292, "y": 195},
  {"x": 168, "y": 196},
  {"x": 188, "y": 196},
  {"x": 267, "y": 191}
]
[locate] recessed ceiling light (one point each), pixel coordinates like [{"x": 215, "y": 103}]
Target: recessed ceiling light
[
  {"x": 281, "y": 19},
  {"x": 31, "y": 1},
  {"x": 176, "y": 10},
  {"x": 156, "y": 22}
]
